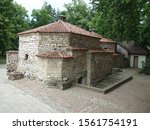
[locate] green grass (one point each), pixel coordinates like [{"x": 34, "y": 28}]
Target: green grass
[{"x": 2, "y": 61}]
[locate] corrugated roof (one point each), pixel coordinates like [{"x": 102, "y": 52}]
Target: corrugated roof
[
  {"x": 107, "y": 40},
  {"x": 135, "y": 49},
  {"x": 61, "y": 27},
  {"x": 54, "y": 54}
]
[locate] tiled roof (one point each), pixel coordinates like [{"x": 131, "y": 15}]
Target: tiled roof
[
  {"x": 135, "y": 49},
  {"x": 61, "y": 27},
  {"x": 54, "y": 54},
  {"x": 107, "y": 40},
  {"x": 117, "y": 54},
  {"x": 77, "y": 49},
  {"x": 109, "y": 50},
  {"x": 100, "y": 51}
]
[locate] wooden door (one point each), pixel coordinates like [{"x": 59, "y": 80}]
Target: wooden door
[{"x": 135, "y": 63}]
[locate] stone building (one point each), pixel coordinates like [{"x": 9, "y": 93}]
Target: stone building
[{"x": 60, "y": 52}]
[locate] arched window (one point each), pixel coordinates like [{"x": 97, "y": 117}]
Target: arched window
[{"x": 26, "y": 57}]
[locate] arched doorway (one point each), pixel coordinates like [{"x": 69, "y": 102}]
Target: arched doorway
[{"x": 80, "y": 80}]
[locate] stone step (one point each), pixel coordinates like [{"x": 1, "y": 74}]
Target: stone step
[
  {"x": 15, "y": 76},
  {"x": 109, "y": 87}
]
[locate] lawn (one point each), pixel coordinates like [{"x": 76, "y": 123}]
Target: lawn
[{"x": 2, "y": 61}]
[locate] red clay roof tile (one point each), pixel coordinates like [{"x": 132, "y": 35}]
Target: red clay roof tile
[
  {"x": 61, "y": 27},
  {"x": 107, "y": 40},
  {"x": 77, "y": 49},
  {"x": 100, "y": 51},
  {"x": 54, "y": 54},
  {"x": 117, "y": 54}
]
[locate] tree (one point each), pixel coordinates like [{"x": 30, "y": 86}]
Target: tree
[
  {"x": 43, "y": 16},
  {"x": 144, "y": 27},
  {"x": 78, "y": 13},
  {"x": 6, "y": 8},
  {"x": 21, "y": 22},
  {"x": 13, "y": 19},
  {"x": 118, "y": 19}
]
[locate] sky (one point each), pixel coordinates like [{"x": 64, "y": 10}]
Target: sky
[{"x": 37, "y": 4}]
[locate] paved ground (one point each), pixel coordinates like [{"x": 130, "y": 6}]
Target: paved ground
[
  {"x": 112, "y": 79},
  {"x": 30, "y": 96}
]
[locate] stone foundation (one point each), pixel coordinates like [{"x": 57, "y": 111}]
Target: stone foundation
[
  {"x": 11, "y": 61},
  {"x": 15, "y": 76},
  {"x": 99, "y": 65},
  {"x": 64, "y": 85}
]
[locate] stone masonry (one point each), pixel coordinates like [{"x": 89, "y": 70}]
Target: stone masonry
[
  {"x": 12, "y": 61},
  {"x": 61, "y": 52}
]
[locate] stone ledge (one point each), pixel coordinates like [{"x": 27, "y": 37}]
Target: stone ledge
[
  {"x": 108, "y": 88},
  {"x": 15, "y": 76},
  {"x": 117, "y": 84},
  {"x": 64, "y": 85},
  {"x": 12, "y": 52}
]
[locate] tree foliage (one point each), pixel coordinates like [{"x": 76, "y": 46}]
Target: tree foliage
[
  {"x": 43, "y": 16},
  {"x": 146, "y": 67},
  {"x": 6, "y": 6},
  {"x": 122, "y": 19},
  {"x": 78, "y": 13},
  {"x": 13, "y": 19},
  {"x": 144, "y": 28}
]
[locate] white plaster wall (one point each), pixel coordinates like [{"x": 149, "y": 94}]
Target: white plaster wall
[
  {"x": 140, "y": 60},
  {"x": 123, "y": 51},
  {"x": 131, "y": 60}
]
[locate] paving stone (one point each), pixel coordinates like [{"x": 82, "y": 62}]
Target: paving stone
[{"x": 30, "y": 96}]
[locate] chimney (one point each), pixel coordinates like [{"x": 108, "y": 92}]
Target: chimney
[{"x": 62, "y": 17}]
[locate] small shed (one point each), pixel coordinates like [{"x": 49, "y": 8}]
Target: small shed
[{"x": 134, "y": 53}]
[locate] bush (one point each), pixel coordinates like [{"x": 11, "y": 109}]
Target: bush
[
  {"x": 2, "y": 61},
  {"x": 146, "y": 67}
]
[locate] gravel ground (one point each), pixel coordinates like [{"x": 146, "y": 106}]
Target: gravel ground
[{"x": 30, "y": 96}]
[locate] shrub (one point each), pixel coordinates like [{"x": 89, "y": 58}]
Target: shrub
[{"x": 146, "y": 67}]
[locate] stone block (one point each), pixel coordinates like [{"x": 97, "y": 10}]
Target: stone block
[
  {"x": 15, "y": 76},
  {"x": 64, "y": 85}
]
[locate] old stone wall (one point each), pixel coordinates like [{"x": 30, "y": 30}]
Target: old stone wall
[
  {"x": 79, "y": 69},
  {"x": 42, "y": 72},
  {"x": 53, "y": 41},
  {"x": 83, "y": 41},
  {"x": 76, "y": 68},
  {"x": 99, "y": 65},
  {"x": 12, "y": 61},
  {"x": 110, "y": 46},
  {"x": 54, "y": 70},
  {"x": 50, "y": 70},
  {"x": 67, "y": 67},
  {"x": 120, "y": 61},
  {"x": 28, "y": 49}
]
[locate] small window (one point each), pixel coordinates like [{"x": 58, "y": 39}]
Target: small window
[{"x": 26, "y": 57}]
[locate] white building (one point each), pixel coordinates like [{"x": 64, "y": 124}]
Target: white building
[{"x": 134, "y": 53}]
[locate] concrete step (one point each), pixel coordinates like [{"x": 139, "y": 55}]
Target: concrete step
[{"x": 108, "y": 88}]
